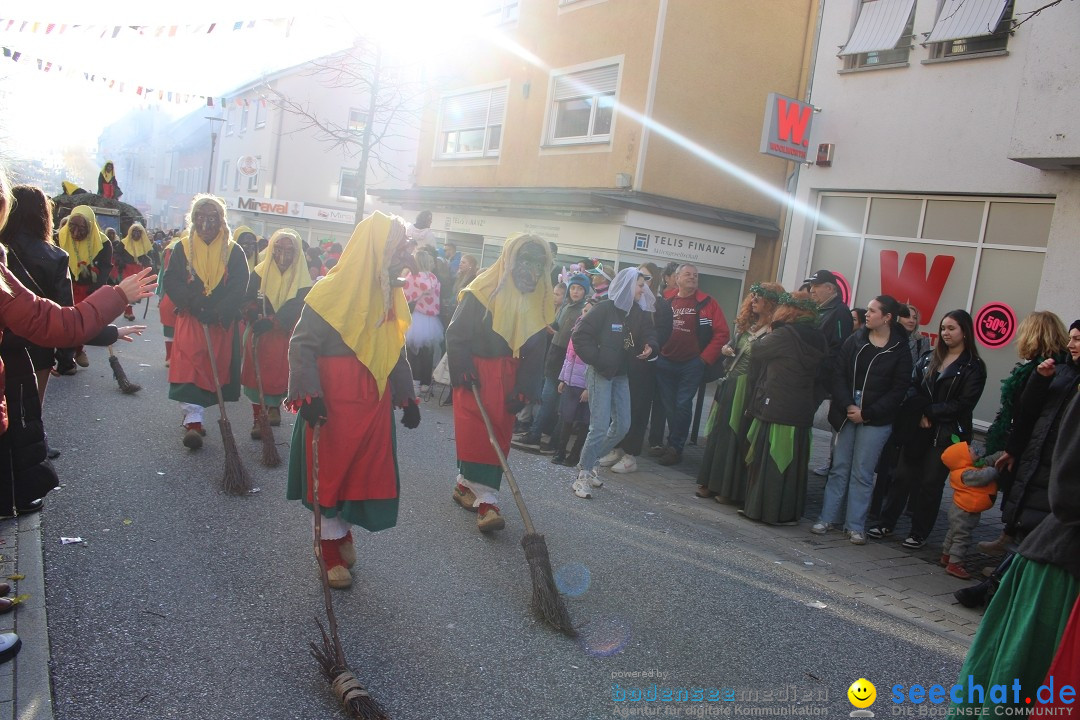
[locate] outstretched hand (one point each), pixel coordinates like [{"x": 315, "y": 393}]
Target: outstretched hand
[
  {"x": 139, "y": 286},
  {"x": 125, "y": 333}
]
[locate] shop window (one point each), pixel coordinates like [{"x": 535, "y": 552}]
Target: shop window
[
  {"x": 882, "y": 35},
  {"x": 583, "y": 106},
  {"x": 971, "y": 28},
  {"x": 898, "y": 217},
  {"x": 470, "y": 123},
  {"x": 1023, "y": 224},
  {"x": 953, "y": 220},
  {"x": 840, "y": 213}
]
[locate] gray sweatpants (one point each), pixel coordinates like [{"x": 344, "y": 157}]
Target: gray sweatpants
[{"x": 958, "y": 538}]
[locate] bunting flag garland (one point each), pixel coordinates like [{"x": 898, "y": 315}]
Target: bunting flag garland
[{"x": 48, "y": 28}]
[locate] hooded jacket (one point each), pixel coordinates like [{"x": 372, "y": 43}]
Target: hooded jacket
[
  {"x": 886, "y": 375},
  {"x": 783, "y": 367},
  {"x": 607, "y": 337},
  {"x": 973, "y": 487}
]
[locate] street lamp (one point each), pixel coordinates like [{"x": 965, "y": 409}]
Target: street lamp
[{"x": 213, "y": 142}]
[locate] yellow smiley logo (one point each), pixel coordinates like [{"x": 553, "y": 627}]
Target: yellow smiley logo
[{"x": 862, "y": 693}]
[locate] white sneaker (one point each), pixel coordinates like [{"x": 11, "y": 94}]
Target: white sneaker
[
  {"x": 611, "y": 458},
  {"x": 581, "y": 489},
  {"x": 626, "y": 464},
  {"x": 856, "y": 538},
  {"x": 820, "y": 528},
  {"x": 589, "y": 478}
]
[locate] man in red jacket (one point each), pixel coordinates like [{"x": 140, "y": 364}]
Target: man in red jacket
[{"x": 698, "y": 332}]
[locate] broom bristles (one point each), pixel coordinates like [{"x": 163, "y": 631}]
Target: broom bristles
[
  {"x": 235, "y": 480},
  {"x": 126, "y": 386},
  {"x": 353, "y": 696},
  {"x": 270, "y": 456},
  {"x": 547, "y": 602}
]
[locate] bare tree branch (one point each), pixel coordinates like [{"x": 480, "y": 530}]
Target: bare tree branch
[{"x": 1035, "y": 12}]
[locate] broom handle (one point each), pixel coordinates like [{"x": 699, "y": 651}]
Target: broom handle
[
  {"x": 111, "y": 353},
  {"x": 255, "y": 356},
  {"x": 525, "y": 517},
  {"x": 213, "y": 370},
  {"x": 330, "y": 617}
]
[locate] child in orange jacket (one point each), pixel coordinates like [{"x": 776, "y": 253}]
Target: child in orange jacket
[{"x": 974, "y": 483}]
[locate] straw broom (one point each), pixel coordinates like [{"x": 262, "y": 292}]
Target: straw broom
[
  {"x": 329, "y": 654},
  {"x": 126, "y": 386},
  {"x": 270, "y": 457},
  {"x": 236, "y": 480},
  {"x": 547, "y": 603}
]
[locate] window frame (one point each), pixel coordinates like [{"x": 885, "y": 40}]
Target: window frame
[
  {"x": 349, "y": 121},
  {"x": 224, "y": 180},
  {"x": 245, "y": 111},
  {"x": 260, "y": 114},
  {"x": 592, "y": 138},
  {"x": 253, "y": 181},
  {"x": 503, "y": 13},
  {"x": 486, "y": 151},
  {"x": 230, "y": 124},
  {"x": 872, "y": 60},
  {"x": 341, "y": 184},
  {"x": 990, "y": 45}
]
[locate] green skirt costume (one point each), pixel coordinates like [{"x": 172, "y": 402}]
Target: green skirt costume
[
  {"x": 777, "y": 469},
  {"x": 1020, "y": 632},
  {"x": 723, "y": 467}
]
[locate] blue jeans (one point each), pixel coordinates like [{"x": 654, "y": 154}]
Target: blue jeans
[
  {"x": 609, "y": 407},
  {"x": 544, "y": 419},
  {"x": 677, "y": 383},
  {"x": 855, "y": 456}
]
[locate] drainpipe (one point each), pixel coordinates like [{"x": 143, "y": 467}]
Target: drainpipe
[{"x": 793, "y": 180}]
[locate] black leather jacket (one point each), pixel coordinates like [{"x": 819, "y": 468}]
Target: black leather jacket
[{"x": 949, "y": 400}]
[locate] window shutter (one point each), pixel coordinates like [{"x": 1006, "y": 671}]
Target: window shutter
[
  {"x": 462, "y": 112},
  {"x": 498, "y": 106},
  {"x": 880, "y": 25},
  {"x": 967, "y": 18},
  {"x": 587, "y": 83}
]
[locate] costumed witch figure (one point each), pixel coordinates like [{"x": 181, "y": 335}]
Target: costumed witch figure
[
  {"x": 347, "y": 373},
  {"x": 275, "y": 296},
  {"x": 249, "y": 243},
  {"x": 206, "y": 279},
  {"x": 106, "y": 182},
  {"x": 496, "y": 341},
  {"x": 133, "y": 256},
  {"x": 89, "y": 259}
]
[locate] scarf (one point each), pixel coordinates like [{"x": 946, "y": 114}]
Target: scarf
[
  {"x": 137, "y": 248},
  {"x": 356, "y": 298},
  {"x": 81, "y": 254},
  {"x": 208, "y": 262},
  {"x": 515, "y": 317},
  {"x": 278, "y": 287}
]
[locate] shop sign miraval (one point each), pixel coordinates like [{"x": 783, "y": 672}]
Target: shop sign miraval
[{"x": 268, "y": 206}]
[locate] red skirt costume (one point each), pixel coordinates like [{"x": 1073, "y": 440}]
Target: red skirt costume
[
  {"x": 273, "y": 365},
  {"x": 358, "y": 473},
  {"x": 477, "y": 460}
]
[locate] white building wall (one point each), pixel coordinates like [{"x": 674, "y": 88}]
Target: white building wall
[{"x": 950, "y": 127}]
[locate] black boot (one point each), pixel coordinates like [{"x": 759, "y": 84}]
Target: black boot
[
  {"x": 580, "y": 432},
  {"x": 979, "y": 595},
  {"x": 558, "y": 441}
]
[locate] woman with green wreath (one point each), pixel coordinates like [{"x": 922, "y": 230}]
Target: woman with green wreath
[
  {"x": 784, "y": 369},
  {"x": 722, "y": 475}
]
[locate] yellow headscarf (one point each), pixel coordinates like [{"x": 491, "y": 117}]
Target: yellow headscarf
[
  {"x": 137, "y": 248},
  {"x": 252, "y": 259},
  {"x": 357, "y": 300},
  {"x": 278, "y": 287},
  {"x": 107, "y": 174},
  {"x": 515, "y": 317},
  {"x": 81, "y": 254},
  {"x": 207, "y": 261}
]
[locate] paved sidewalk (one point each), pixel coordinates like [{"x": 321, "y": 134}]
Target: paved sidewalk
[{"x": 25, "y": 690}]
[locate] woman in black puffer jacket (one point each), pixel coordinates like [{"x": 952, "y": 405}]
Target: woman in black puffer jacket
[
  {"x": 870, "y": 379},
  {"x": 948, "y": 384}
]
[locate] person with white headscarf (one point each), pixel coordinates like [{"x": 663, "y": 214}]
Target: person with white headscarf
[{"x": 616, "y": 330}]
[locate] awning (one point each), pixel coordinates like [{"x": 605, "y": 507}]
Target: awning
[
  {"x": 967, "y": 18},
  {"x": 880, "y": 26}
]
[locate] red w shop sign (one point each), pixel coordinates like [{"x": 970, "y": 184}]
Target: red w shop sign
[{"x": 786, "y": 131}]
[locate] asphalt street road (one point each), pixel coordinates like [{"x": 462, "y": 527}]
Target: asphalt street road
[{"x": 186, "y": 603}]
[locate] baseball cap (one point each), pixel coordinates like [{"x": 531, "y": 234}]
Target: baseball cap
[{"x": 821, "y": 277}]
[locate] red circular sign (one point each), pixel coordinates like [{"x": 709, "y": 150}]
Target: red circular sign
[
  {"x": 845, "y": 288},
  {"x": 995, "y": 325}
]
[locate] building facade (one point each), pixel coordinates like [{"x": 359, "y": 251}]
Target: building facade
[
  {"x": 953, "y": 180},
  {"x": 638, "y": 143}
]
